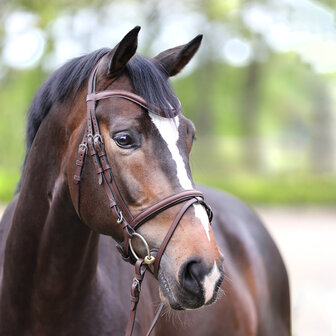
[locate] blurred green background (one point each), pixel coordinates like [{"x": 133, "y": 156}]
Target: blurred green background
[{"x": 261, "y": 91}]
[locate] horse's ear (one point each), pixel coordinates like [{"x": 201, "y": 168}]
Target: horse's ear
[
  {"x": 175, "y": 59},
  {"x": 123, "y": 51}
]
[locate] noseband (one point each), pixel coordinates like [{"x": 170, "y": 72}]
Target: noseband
[{"x": 93, "y": 145}]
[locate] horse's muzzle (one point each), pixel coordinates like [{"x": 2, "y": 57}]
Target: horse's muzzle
[{"x": 197, "y": 285}]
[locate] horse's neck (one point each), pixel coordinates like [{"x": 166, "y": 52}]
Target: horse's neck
[
  {"x": 51, "y": 256},
  {"x": 67, "y": 255}
]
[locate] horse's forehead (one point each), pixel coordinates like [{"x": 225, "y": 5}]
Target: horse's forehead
[
  {"x": 169, "y": 131},
  {"x": 168, "y": 128},
  {"x": 122, "y": 111}
]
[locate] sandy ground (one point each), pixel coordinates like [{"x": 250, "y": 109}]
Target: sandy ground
[{"x": 307, "y": 240}]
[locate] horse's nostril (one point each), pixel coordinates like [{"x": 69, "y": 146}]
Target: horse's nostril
[{"x": 191, "y": 276}]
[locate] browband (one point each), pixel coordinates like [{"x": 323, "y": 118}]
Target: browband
[{"x": 133, "y": 98}]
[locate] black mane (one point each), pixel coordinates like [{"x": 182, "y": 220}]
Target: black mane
[{"x": 148, "y": 81}]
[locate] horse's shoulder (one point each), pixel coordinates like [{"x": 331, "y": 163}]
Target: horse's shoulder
[
  {"x": 250, "y": 254},
  {"x": 238, "y": 226}
]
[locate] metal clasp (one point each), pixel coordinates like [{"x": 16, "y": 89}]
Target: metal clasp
[
  {"x": 136, "y": 282},
  {"x": 149, "y": 259},
  {"x": 98, "y": 136},
  {"x": 82, "y": 145},
  {"x": 120, "y": 217}
]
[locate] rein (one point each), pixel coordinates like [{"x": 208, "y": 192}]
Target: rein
[{"x": 93, "y": 144}]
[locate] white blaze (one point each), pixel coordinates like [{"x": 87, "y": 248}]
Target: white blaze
[
  {"x": 210, "y": 281},
  {"x": 168, "y": 129},
  {"x": 201, "y": 214}
]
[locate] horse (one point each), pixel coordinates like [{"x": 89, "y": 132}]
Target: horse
[{"x": 107, "y": 164}]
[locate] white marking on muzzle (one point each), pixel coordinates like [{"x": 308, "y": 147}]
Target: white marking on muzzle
[
  {"x": 209, "y": 283},
  {"x": 201, "y": 214},
  {"x": 168, "y": 129}
]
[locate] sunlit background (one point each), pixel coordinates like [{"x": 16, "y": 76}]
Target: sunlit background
[{"x": 261, "y": 92}]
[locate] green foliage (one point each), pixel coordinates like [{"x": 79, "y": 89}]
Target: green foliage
[
  {"x": 286, "y": 190},
  {"x": 222, "y": 100},
  {"x": 15, "y": 98},
  {"x": 8, "y": 182},
  {"x": 285, "y": 94}
]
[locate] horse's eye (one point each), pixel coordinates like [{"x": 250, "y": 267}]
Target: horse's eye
[{"x": 123, "y": 140}]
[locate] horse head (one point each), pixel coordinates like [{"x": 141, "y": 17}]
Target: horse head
[{"x": 142, "y": 153}]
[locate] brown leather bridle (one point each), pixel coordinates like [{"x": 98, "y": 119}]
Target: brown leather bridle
[{"x": 93, "y": 144}]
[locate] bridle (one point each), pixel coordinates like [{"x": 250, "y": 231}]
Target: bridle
[{"x": 93, "y": 144}]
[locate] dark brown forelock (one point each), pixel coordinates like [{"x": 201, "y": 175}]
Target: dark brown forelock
[{"x": 150, "y": 81}]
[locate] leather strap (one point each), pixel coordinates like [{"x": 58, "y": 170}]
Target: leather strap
[
  {"x": 93, "y": 143},
  {"x": 170, "y": 233},
  {"x": 162, "y": 205},
  {"x": 135, "y": 294},
  {"x": 156, "y": 318},
  {"x": 131, "y": 97}
]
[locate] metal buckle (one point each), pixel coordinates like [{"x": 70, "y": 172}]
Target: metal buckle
[
  {"x": 120, "y": 217},
  {"x": 149, "y": 259},
  {"x": 82, "y": 145},
  {"x": 137, "y": 284},
  {"x": 127, "y": 227},
  {"x": 98, "y": 136}
]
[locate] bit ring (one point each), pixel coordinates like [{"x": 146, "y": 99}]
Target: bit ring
[{"x": 149, "y": 259}]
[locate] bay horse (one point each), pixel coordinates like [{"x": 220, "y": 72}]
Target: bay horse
[{"x": 108, "y": 156}]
